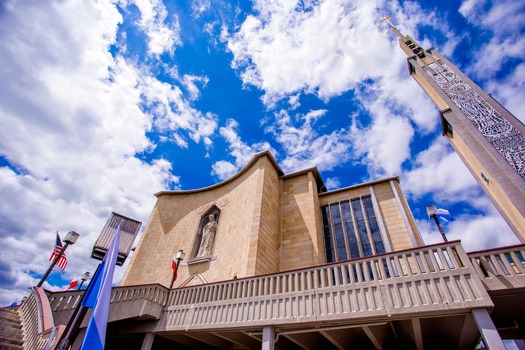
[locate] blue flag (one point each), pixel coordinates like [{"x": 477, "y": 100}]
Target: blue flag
[{"x": 98, "y": 296}]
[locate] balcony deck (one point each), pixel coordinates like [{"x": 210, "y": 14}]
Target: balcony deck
[
  {"x": 425, "y": 295},
  {"x": 423, "y": 281}
]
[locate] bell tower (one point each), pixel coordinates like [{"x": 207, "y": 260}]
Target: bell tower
[{"x": 486, "y": 136}]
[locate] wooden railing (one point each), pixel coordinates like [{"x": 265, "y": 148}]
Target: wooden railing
[
  {"x": 433, "y": 279},
  {"x": 38, "y": 329},
  {"x": 426, "y": 279},
  {"x": 501, "y": 268},
  {"x": 144, "y": 301}
]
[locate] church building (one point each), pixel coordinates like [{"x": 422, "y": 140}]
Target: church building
[{"x": 268, "y": 260}]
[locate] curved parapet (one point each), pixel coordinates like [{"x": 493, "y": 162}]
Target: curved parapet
[
  {"x": 243, "y": 171},
  {"x": 38, "y": 327}
]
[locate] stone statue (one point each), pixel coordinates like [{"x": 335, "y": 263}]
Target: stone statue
[{"x": 208, "y": 236}]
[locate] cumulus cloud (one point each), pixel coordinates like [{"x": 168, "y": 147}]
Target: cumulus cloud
[
  {"x": 332, "y": 183},
  {"x": 439, "y": 170},
  {"x": 384, "y": 145},
  {"x": 305, "y": 146},
  {"x": 238, "y": 149},
  {"x": 162, "y": 35},
  {"x": 476, "y": 231},
  {"x": 499, "y": 63},
  {"x": 326, "y": 48},
  {"x": 287, "y": 49},
  {"x": 74, "y": 118}
]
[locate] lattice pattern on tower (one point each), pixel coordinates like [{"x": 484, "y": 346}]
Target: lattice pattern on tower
[{"x": 506, "y": 139}]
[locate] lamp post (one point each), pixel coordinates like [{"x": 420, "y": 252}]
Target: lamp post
[
  {"x": 83, "y": 279},
  {"x": 431, "y": 211},
  {"x": 71, "y": 238},
  {"x": 178, "y": 258}
]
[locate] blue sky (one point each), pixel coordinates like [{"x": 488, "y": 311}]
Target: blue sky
[{"x": 104, "y": 103}]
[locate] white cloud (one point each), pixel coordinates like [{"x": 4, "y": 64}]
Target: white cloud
[
  {"x": 385, "y": 144},
  {"x": 172, "y": 112},
  {"x": 238, "y": 149},
  {"x": 162, "y": 35},
  {"x": 476, "y": 231},
  {"x": 440, "y": 173},
  {"x": 472, "y": 8},
  {"x": 499, "y": 63},
  {"x": 199, "y": 7},
  {"x": 305, "y": 146},
  {"x": 325, "y": 50},
  {"x": 73, "y": 120},
  {"x": 439, "y": 170},
  {"x": 511, "y": 91},
  {"x": 224, "y": 169},
  {"x": 332, "y": 183},
  {"x": 190, "y": 81}
]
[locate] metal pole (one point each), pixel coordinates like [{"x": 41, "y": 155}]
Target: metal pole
[
  {"x": 52, "y": 265},
  {"x": 440, "y": 228},
  {"x": 175, "y": 273},
  {"x": 72, "y": 327}
]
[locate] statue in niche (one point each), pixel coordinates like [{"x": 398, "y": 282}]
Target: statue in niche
[{"x": 208, "y": 236}]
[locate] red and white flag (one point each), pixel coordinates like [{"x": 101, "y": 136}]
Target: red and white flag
[
  {"x": 73, "y": 283},
  {"x": 174, "y": 267},
  {"x": 62, "y": 262}
]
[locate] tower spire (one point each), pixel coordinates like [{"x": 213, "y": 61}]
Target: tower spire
[
  {"x": 398, "y": 33},
  {"x": 487, "y": 137},
  {"x": 409, "y": 45}
]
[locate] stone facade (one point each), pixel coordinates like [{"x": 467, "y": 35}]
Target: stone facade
[{"x": 267, "y": 222}]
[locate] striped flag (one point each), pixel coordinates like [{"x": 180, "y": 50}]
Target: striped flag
[
  {"x": 62, "y": 262},
  {"x": 98, "y": 296}
]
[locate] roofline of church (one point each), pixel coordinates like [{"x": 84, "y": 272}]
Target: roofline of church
[
  {"x": 255, "y": 158},
  {"x": 318, "y": 179},
  {"x": 370, "y": 183}
]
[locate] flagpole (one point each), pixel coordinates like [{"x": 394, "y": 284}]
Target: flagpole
[
  {"x": 439, "y": 227},
  {"x": 178, "y": 257},
  {"x": 72, "y": 327},
  {"x": 53, "y": 265},
  {"x": 432, "y": 212},
  {"x": 71, "y": 238}
]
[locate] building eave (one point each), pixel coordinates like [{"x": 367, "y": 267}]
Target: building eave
[
  {"x": 252, "y": 162},
  {"x": 370, "y": 183}
]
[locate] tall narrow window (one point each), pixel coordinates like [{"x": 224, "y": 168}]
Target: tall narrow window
[
  {"x": 350, "y": 231},
  {"x": 374, "y": 227},
  {"x": 361, "y": 227},
  {"x": 327, "y": 235},
  {"x": 338, "y": 232}
]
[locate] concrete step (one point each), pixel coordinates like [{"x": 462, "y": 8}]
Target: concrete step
[{"x": 10, "y": 329}]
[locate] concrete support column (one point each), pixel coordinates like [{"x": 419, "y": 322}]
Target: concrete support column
[
  {"x": 520, "y": 344},
  {"x": 147, "y": 343},
  {"x": 268, "y": 339},
  {"x": 488, "y": 330}
]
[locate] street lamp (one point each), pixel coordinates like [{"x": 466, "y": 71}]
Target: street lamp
[
  {"x": 432, "y": 213},
  {"x": 178, "y": 258},
  {"x": 84, "y": 278},
  {"x": 71, "y": 238}
]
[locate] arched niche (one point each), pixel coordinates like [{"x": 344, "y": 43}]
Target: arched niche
[{"x": 197, "y": 247}]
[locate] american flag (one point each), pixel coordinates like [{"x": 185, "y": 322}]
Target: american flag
[{"x": 62, "y": 262}]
